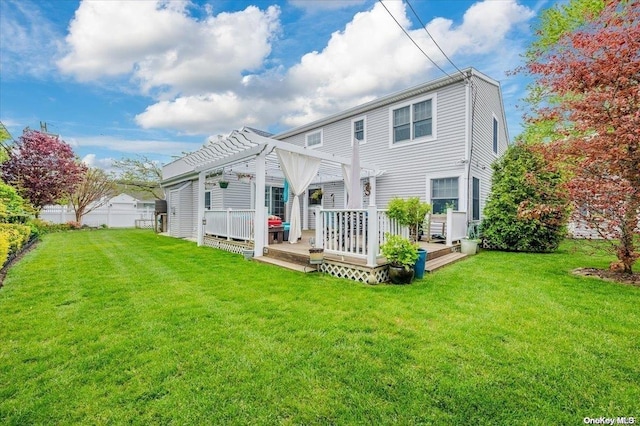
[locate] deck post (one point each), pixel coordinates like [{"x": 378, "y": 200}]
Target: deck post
[
  {"x": 372, "y": 194},
  {"x": 260, "y": 224},
  {"x": 372, "y": 236},
  {"x": 200, "y": 224},
  {"x": 229, "y": 224},
  {"x": 449, "y": 228},
  {"x": 319, "y": 227}
]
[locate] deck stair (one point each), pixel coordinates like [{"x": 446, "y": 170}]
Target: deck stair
[
  {"x": 286, "y": 264},
  {"x": 443, "y": 260}
]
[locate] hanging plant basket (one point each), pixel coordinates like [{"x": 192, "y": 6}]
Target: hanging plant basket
[{"x": 223, "y": 184}]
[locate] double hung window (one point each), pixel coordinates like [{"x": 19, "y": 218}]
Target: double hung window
[{"x": 413, "y": 121}]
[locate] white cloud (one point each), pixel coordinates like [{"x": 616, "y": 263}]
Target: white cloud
[
  {"x": 212, "y": 75},
  {"x": 163, "y": 47},
  {"x": 133, "y": 146},
  {"x": 91, "y": 160},
  {"x": 322, "y": 5},
  {"x": 29, "y": 41},
  {"x": 212, "y": 113}
]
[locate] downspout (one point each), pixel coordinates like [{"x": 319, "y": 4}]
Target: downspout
[{"x": 470, "y": 99}]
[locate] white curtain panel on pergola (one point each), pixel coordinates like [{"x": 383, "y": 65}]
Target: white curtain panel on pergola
[{"x": 299, "y": 171}]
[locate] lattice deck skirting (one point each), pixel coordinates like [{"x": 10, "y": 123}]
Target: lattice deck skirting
[
  {"x": 363, "y": 274},
  {"x": 231, "y": 246},
  {"x": 144, "y": 223}
]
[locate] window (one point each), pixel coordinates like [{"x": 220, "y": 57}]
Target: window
[
  {"x": 495, "y": 135},
  {"x": 207, "y": 200},
  {"x": 401, "y": 124},
  {"x": 358, "y": 130},
  {"x": 314, "y": 139},
  {"x": 422, "y": 119},
  {"x": 444, "y": 194},
  {"x": 476, "y": 199},
  {"x": 413, "y": 121}
]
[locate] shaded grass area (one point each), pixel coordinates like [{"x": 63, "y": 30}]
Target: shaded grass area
[{"x": 123, "y": 326}]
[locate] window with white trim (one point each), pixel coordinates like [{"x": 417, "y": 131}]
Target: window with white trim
[
  {"x": 207, "y": 200},
  {"x": 358, "y": 130},
  {"x": 444, "y": 194},
  {"x": 413, "y": 121},
  {"x": 475, "y": 195},
  {"x": 313, "y": 139}
]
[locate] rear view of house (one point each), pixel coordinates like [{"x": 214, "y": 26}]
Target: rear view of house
[{"x": 435, "y": 141}]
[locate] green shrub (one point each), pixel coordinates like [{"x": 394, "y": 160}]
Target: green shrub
[
  {"x": 527, "y": 209},
  {"x": 17, "y": 235},
  {"x": 410, "y": 212},
  {"x": 399, "y": 251},
  {"x": 4, "y": 248},
  {"x": 13, "y": 208}
]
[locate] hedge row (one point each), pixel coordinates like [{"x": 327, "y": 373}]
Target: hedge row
[{"x": 12, "y": 238}]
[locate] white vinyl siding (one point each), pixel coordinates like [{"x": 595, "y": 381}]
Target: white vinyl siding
[
  {"x": 313, "y": 139},
  {"x": 413, "y": 121}
]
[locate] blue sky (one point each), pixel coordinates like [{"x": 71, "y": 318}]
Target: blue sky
[{"x": 155, "y": 77}]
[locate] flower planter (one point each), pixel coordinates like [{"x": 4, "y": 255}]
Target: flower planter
[
  {"x": 316, "y": 256},
  {"x": 223, "y": 184},
  {"x": 468, "y": 246},
  {"x": 399, "y": 275},
  {"x": 248, "y": 254}
]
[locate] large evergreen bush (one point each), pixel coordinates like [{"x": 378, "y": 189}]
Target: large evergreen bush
[{"x": 527, "y": 210}]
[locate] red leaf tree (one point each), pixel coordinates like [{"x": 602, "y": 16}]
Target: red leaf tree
[
  {"x": 595, "y": 73},
  {"x": 43, "y": 168}
]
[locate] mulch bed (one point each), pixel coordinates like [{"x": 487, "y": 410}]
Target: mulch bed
[{"x": 608, "y": 275}]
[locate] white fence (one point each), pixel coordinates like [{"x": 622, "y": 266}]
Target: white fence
[
  {"x": 230, "y": 224},
  {"x": 109, "y": 216}
]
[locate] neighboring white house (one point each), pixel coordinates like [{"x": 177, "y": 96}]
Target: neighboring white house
[
  {"x": 436, "y": 141},
  {"x": 121, "y": 211}
]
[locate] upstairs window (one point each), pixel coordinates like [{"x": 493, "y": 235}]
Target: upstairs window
[
  {"x": 314, "y": 139},
  {"x": 358, "y": 130},
  {"x": 413, "y": 121}
]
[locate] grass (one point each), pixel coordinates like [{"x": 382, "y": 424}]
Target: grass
[{"x": 123, "y": 326}]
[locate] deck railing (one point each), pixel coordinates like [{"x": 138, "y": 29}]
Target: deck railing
[{"x": 230, "y": 224}]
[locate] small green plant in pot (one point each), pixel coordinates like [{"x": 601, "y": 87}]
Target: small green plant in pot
[
  {"x": 410, "y": 212},
  {"x": 402, "y": 255}
]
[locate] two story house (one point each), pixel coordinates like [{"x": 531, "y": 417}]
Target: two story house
[{"x": 436, "y": 141}]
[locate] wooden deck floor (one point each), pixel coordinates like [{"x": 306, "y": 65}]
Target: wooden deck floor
[{"x": 302, "y": 247}]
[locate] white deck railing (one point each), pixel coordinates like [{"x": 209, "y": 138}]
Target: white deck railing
[
  {"x": 230, "y": 224},
  {"x": 343, "y": 232}
]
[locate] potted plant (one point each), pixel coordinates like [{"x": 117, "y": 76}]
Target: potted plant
[
  {"x": 317, "y": 194},
  {"x": 316, "y": 255},
  {"x": 469, "y": 244},
  {"x": 244, "y": 177},
  {"x": 410, "y": 212},
  {"x": 402, "y": 255},
  {"x": 223, "y": 184}
]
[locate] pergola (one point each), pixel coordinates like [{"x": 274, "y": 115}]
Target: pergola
[{"x": 265, "y": 157}]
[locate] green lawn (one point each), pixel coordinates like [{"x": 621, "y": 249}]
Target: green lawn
[{"x": 123, "y": 326}]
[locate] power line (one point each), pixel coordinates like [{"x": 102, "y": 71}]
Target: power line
[
  {"x": 431, "y": 37},
  {"x": 412, "y": 40}
]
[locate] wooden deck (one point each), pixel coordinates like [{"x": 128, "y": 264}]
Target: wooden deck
[{"x": 295, "y": 256}]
